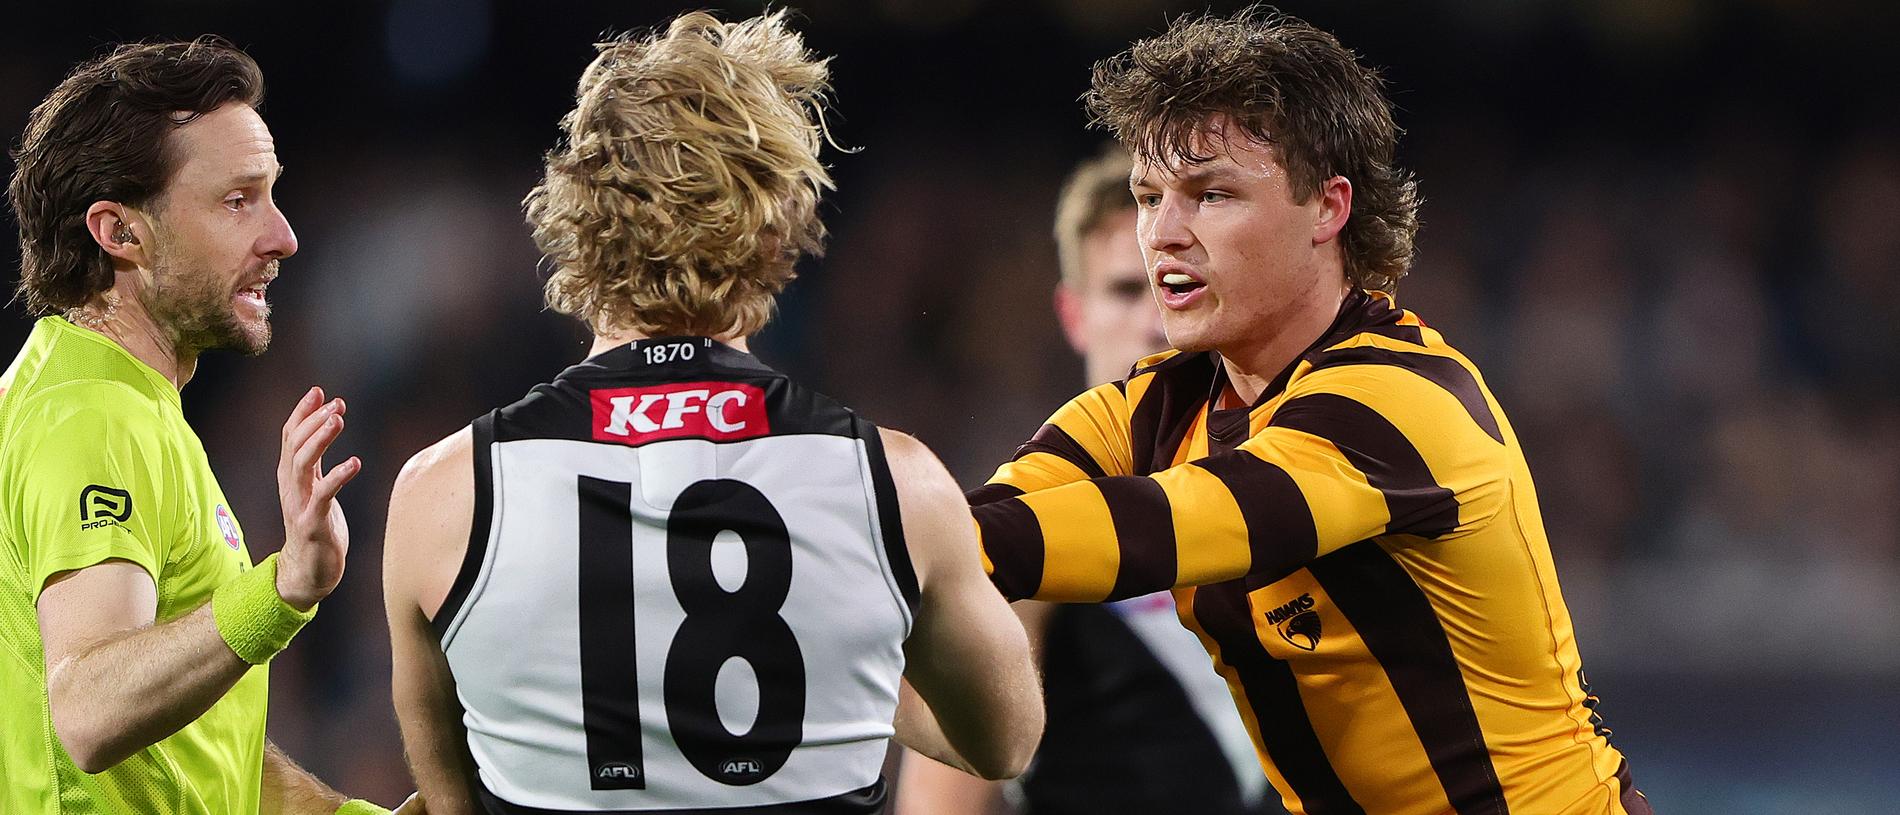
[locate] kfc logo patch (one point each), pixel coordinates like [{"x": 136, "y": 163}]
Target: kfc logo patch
[{"x": 718, "y": 411}]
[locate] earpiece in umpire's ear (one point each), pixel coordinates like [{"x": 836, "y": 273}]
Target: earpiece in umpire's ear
[{"x": 124, "y": 234}]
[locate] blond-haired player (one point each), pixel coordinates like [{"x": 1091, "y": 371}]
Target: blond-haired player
[{"x": 674, "y": 579}]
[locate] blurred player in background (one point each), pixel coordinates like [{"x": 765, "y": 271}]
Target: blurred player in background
[
  {"x": 135, "y": 627},
  {"x": 1337, "y": 498},
  {"x": 1138, "y": 721},
  {"x": 674, "y": 579}
]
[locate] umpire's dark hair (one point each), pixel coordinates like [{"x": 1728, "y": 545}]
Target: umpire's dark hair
[
  {"x": 102, "y": 135},
  {"x": 1281, "y": 82}
]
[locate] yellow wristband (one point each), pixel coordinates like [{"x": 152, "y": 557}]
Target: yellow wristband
[
  {"x": 360, "y": 807},
  {"x": 252, "y": 618}
]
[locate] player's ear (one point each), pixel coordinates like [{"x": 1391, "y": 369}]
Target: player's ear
[
  {"x": 1335, "y": 206},
  {"x": 1069, "y": 312},
  {"x": 118, "y": 230}
]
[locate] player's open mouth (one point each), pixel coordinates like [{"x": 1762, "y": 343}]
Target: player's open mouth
[{"x": 1179, "y": 289}]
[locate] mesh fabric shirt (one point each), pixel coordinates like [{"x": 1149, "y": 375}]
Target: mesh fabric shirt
[{"x": 97, "y": 463}]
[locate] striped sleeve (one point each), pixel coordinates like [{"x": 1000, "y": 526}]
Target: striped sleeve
[
  {"x": 1352, "y": 453},
  {"x": 1087, "y": 438}
]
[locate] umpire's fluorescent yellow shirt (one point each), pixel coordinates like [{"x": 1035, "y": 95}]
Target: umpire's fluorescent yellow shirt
[{"x": 97, "y": 463}]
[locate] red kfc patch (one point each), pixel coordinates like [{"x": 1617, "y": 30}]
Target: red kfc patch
[{"x": 719, "y": 411}]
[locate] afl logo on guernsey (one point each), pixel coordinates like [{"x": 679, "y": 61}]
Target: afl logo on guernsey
[
  {"x": 718, "y": 411},
  {"x": 616, "y": 775},
  {"x": 228, "y": 526},
  {"x": 741, "y": 771}
]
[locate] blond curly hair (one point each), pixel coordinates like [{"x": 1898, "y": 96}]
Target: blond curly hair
[{"x": 687, "y": 182}]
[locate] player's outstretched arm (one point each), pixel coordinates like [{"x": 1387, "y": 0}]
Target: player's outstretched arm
[
  {"x": 117, "y": 683},
  {"x": 430, "y": 513},
  {"x": 967, "y": 656},
  {"x": 925, "y": 786},
  {"x": 1354, "y": 452}
]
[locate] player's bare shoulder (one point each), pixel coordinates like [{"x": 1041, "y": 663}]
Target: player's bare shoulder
[
  {"x": 430, "y": 512},
  {"x": 936, "y": 518},
  {"x": 453, "y": 455}
]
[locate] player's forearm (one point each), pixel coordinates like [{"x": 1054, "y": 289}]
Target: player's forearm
[
  {"x": 291, "y": 790},
  {"x": 434, "y": 742},
  {"x": 1113, "y": 538},
  {"x": 925, "y": 787},
  {"x": 125, "y": 693},
  {"x": 988, "y": 729},
  {"x": 443, "y": 774},
  {"x": 1009, "y": 735},
  {"x": 917, "y": 729},
  {"x": 438, "y": 759}
]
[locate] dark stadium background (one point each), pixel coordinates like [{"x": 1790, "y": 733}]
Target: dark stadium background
[{"x": 1666, "y": 229}]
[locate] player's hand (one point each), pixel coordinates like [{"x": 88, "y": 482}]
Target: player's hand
[
  {"x": 315, "y": 535},
  {"x": 413, "y": 806}
]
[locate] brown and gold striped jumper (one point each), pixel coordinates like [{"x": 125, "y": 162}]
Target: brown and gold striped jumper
[{"x": 1361, "y": 553}]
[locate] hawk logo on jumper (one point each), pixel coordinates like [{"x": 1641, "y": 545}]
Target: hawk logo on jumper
[
  {"x": 1297, "y": 622},
  {"x": 101, "y": 506},
  {"x": 228, "y": 526},
  {"x": 616, "y": 775},
  {"x": 719, "y": 411},
  {"x": 741, "y": 770}
]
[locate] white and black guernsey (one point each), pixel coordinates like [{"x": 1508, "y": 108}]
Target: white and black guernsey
[
  {"x": 1139, "y": 722},
  {"x": 686, "y": 590}
]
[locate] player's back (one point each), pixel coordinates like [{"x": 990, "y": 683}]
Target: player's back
[{"x": 685, "y": 588}]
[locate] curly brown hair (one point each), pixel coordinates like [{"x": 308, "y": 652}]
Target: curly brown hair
[
  {"x": 102, "y": 135},
  {"x": 1284, "y": 83},
  {"x": 687, "y": 184}
]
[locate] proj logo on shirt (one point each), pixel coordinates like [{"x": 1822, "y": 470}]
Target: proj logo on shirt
[
  {"x": 719, "y": 411},
  {"x": 100, "y": 506}
]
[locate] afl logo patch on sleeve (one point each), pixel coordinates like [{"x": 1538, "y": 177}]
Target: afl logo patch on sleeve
[
  {"x": 228, "y": 526},
  {"x": 101, "y": 506}
]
